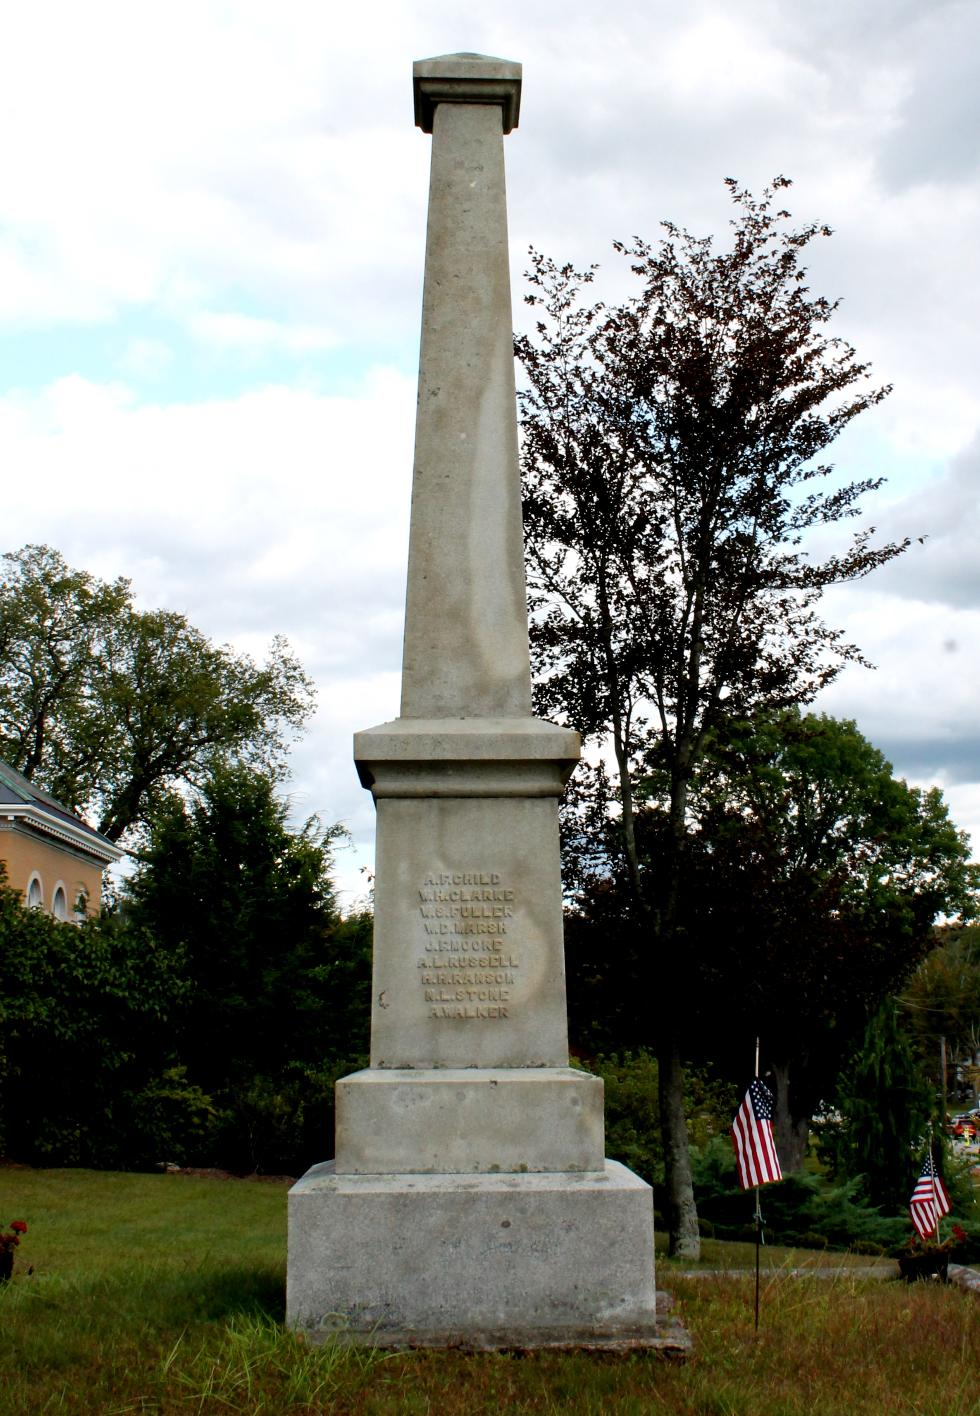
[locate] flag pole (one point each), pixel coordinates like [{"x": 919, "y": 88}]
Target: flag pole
[
  {"x": 756, "y": 1159},
  {"x": 942, "y": 1122},
  {"x": 758, "y": 1217},
  {"x": 935, "y": 1192},
  {"x": 758, "y": 1241}
]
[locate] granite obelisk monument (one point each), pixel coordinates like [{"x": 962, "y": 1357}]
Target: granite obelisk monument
[{"x": 469, "y": 1202}]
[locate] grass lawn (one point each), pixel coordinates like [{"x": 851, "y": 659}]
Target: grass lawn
[{"x": 158, "y": 1293}]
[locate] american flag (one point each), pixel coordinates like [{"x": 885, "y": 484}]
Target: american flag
[
  {"x": 755, "y": 1151},
  {"x": 929, "y": 1200}
]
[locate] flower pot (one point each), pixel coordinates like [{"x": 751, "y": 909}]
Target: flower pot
[{"x": 924, "y": 1265}]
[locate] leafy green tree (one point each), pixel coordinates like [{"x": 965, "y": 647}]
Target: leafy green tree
[
  {"x": 886, "y": 1103},
  {"x": 811, "y": 882},
  {"x": 672, "y": 485},
  {"x": 821, "y": 877},
  {"x": 52, "y": 619},
  {"x": 88, "y": 1074},
  {"x": 942, "y": 1001},
  {"x": 110, "y": 707},
  {"x": 631, "y": 1096},
  {"x": 206, "y": 1019},
  {"x": 278, "y": 983}
]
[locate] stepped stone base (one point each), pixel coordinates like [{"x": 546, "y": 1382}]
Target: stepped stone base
[
  {"x": 474, "y": 1261},
  {"x": 457, "y": 1120}
]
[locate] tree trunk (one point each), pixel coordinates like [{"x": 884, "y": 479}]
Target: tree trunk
[
  {"x": 681, "y": 1213},
  {"x": 791, "y": 1133}
]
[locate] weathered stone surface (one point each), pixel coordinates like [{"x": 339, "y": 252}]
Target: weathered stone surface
[
  {"x": 965, "y": 1278},
  {"x": 467, "y": 889},
  {"x": 469, "y": 1121},
  {"x": 461, "y": 757},
  {"x": 466, "y": 651},
  {"x": 480, "y": 1261},
  {"x": 466, "y": 78},
  {"x": 470, "y": 1204}
]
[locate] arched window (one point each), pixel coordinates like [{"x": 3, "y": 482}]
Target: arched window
[
  {"x": 35, "y": 895},
  {"x": 59, "y": 905}
]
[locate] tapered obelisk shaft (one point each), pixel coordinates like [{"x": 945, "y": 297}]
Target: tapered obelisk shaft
[{"x": 466, "y": 649}]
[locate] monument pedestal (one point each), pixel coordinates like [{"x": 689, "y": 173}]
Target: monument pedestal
[
  {"x": 477, "y": 1261},
  {"x": 470, "y": 1203}
]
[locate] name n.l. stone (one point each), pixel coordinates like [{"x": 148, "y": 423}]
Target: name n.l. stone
[{"x": 469, "y": 1202}]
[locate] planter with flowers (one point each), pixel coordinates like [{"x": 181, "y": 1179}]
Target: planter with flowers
[
  {"x": 927, "y": 1258},
  {"x": 9, "y": 1241}
]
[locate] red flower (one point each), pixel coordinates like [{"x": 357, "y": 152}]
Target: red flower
[
  {"x": 19, "y": 1227},
  {"x": 959, "y": 1234}
]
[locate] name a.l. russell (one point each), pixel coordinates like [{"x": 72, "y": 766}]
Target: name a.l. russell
[{"x": 482, "y": 961}]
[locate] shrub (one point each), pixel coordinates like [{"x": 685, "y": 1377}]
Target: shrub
[
  {"x": 85, "y": 1017},
  {"x": 805, "y": 1209},
  {"x": 633, "y": 1110}
]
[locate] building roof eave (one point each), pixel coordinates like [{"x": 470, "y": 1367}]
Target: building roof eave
[{"x": 81, "y": 837}]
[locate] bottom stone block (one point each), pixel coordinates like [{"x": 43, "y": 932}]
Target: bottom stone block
[{"x": 474, "y": 1261}]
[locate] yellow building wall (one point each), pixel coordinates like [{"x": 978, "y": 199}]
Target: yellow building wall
[{"x": 24, "y": 854}]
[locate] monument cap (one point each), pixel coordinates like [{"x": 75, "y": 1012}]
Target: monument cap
[{"x": 466, "y": 78}]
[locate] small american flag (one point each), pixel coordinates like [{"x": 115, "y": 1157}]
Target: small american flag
[
  {"x": 929, "y": 1200},
  {"x": 755, "y": 1151}
]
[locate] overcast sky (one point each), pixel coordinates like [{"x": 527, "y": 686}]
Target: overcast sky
[{"x": 212, "y": 222}]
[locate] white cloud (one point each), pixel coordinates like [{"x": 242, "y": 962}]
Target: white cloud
[
  {"x": 722, "y": 62},
  {"x": 246, "y": 333},
  {"x": 146, "y": 359},
  {"x": 927, "y": 678},
  {"x": 942, "y": 568}
]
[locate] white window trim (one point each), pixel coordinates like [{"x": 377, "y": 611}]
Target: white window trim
[
  {"x": 59, "y": 885},
  {"x": 37, "y": 904}
]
